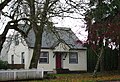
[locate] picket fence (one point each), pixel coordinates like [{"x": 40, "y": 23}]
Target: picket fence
[{"x": 21, "y": 74}]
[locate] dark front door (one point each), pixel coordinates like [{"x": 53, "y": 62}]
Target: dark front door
[{"x": 58, "y": 60}]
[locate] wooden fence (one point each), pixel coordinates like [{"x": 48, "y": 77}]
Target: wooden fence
[{"x": 21, "y": 74}]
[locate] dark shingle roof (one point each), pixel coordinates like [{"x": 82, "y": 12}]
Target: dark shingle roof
[{"x": 50, "y": 39}]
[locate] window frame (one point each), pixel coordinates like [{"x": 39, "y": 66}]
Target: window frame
[
  {"x": 22, "y": 58},
  {"x": 12, "y": 59},
  {"x": 44, "y": 57},
  {"x": 76, "y": 59}
]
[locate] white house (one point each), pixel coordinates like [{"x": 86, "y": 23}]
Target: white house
[
  {"x": 62, "y": 52},
  {"x": 15, "y": 50}
]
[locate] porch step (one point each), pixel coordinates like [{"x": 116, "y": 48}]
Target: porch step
[{"x": 61, "y": 71}]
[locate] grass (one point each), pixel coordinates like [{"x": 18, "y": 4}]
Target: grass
[{"x": 83, "y": 77}]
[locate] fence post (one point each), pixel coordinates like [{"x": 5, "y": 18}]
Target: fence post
[
  {"x": 14, "y": 75},
  {"x": 42, "y": 72}
]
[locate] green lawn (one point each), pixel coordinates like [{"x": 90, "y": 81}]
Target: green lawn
[{"x": 83, "y": 77}]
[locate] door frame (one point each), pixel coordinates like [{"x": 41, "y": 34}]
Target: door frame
[{"x": 58, "y": 60}]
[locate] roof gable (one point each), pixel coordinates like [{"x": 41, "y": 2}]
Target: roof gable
[
  {"x": 50, "y": 40},
  {"x": 61, "y": 47}
]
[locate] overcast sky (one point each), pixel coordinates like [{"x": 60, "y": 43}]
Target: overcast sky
[{"x": 77, "y": 26}]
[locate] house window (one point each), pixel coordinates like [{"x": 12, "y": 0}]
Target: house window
[
  {"x": 12, "y": 59},
  {"x": 73, "y": 57},
  {"x": 16, "y": 40},
  {"x": 44, "y": 57},
  {"x": 22, "y": 58}
]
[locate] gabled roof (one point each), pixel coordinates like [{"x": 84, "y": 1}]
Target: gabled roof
[
  {"x": 50, "y": 39},
  {"x": 58, "y": 42}
]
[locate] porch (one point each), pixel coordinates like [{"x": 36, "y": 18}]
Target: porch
[{"x": 64, "y": 61}]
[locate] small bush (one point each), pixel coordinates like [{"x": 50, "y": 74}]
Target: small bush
[
  {"x": 50, "y": 76},
  {"x": 3, "y": 64}
]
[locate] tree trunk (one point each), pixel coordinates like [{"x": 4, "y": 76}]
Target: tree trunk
[
  {"x": 3, "y": 36},
  {"x": 2, "y": 40},
  {"x": 38, "y": 30},
  {"x": 98, "y": 61},
  {"x": 102, "y": 63},
  {"x": 36, "y": 51}
]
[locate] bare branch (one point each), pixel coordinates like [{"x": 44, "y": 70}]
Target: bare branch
[{"x": 4, "y": 3}]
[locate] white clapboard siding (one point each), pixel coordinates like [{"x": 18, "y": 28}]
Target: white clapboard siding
[{"x": 21, "y": 74}]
